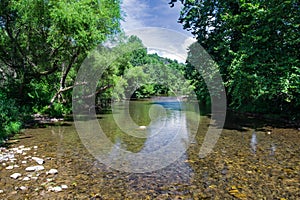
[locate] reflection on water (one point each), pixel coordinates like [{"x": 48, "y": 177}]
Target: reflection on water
[
  {"x": 253, "y": 142},
  {"x": 229, "y": 172},
  {"x": 273, "y": 149},
  {"x": 164, "y": 140}
]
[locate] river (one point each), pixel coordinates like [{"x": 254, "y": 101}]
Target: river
[{"x": 251, "y": 159}]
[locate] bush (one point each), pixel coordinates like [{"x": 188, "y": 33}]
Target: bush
[{"x": 9, "y": 117}]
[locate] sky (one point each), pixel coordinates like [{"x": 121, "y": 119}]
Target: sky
[
  {"x": 153, "y": 13},
  {"x": 156, "y": 13}
]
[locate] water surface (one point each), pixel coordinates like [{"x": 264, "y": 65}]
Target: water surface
[{"x": 245, "y": 163}]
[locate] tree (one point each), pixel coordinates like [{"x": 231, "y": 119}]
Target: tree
[
  {"x": 256, "y": 46},
  {"x": 44, "y": 42}
]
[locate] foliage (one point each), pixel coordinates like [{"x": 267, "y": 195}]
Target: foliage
[
  {"x": 256, "y": 46},
  {"x": 44, "y": 42},
  {"x": 9, "y": 117}
]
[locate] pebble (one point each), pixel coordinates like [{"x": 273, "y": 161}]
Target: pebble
[
  {"x": 24, "y": 162},
  {"x": 35, "y": 168},
  {"x": 15, "y": 175},
  {"x": 56, "y": 189},
  {"x": 9, "y": 167},
  {"x": 52, "y": 171},
  {"x": 35, "y": 147},
  {"x": 38, "y": 160},
  {"x": 23, "y": 188},
  {"x": 64, "y": 186},
  {"x": 19, "y": 151},
  {"x": 26, "y": 178},
  {"x": 1, "y": 191}
]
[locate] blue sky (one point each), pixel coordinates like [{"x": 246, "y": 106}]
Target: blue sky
[{"x": 152, "y": 13}]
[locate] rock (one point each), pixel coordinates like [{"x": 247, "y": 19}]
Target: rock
[
  {"x": 1, "y": 191},
  {"x": 64, "y": 186},
  {"x": 9, "y": 167},
  {"x": 23, "y": 188},
  {"x": 52, "y": 171},
  {"x": 35, "y": 147},
  {"x": 56, "y": 189},
  {"x": 38, "y": 160},
  {"x": 26, "y": 178},
  {"x": 24, "y": 162},
  {"x": 19, "y": 151},
  {"x": 21, "y": 147},
  {"x": 35, "y": 168},
  {"x": 15, "y": 175}
]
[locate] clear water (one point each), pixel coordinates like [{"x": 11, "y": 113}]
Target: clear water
[{"x": 264, "y": 164}]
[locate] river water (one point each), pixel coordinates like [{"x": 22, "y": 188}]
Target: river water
[{"x": 245, "y": 163}]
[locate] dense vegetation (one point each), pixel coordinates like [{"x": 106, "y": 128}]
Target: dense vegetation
[
  {"x": 43, "y": 44},
  {"x": 256, "y": 46}
]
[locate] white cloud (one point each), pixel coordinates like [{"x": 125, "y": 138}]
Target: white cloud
[
  {"x": 135, "y": 12},
  {"x": 165, "y": 42},
  {"x": 155, "y": 23}
]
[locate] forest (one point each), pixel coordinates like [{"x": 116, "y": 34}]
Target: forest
[{"x": 43, "y": 44}]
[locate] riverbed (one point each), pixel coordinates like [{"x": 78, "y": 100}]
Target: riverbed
[{"x": 251, "y": 160}]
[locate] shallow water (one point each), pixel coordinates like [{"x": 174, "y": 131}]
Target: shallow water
[{"x": 244, "y": 164}]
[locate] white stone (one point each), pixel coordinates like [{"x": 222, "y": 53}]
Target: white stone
[
  {"x": 16, "y": 166},
  {"x": 52, "y": 171},
  {"x": 23, "y": 188},
  {"x": 35, "y": 168},
  {"x": 34, "y": 178},
  {"x": 38, "y": 160},
  {"x": 35, "y": 147},
  {"x": 1, "y": 191},
  {"x": 19, "y": 151},
  {"x": 56, "y": 189},
  {"x": 9, "y": 167},
  {"x": 64, "y": 186},
  {"x": 15, "y": 175},
  {"x": 24, "y": 162},
  {"x": 21, "y": 147},
  {"x": 26, "y": 178}
]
